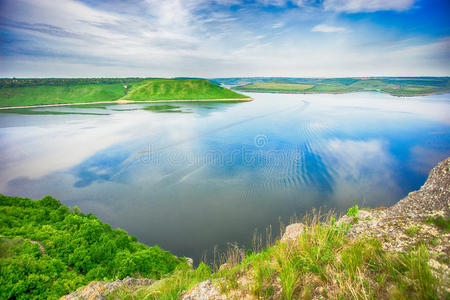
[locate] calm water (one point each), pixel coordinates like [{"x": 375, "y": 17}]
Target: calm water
[{"x": 192, "y": 175}]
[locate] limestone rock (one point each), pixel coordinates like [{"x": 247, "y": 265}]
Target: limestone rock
[
  {"x": 190, "y": 262},
  {"x": 97, "y": 289},
  {"x": 205, "y": 290},
  {"x": 293, "y": 231},
  {"x": 433, "y": 196}
]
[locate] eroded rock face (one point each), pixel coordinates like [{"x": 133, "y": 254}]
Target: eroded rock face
[
  {"x": 398, "y": 227},
  {"x": 432, "y": 197},
  {"x": 404, "y": 224},
  {"x": 293, "y": 231},
  {"x": 97, "y": 289},
  {"x": 204, "y": 291}
]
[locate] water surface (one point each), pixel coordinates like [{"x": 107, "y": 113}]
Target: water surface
[{"x": 188, "y": 176}]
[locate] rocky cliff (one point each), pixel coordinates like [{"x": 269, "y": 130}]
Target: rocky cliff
[{"x": 400, "y": 228}]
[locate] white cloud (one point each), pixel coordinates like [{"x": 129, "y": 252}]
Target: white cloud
[
  {"x": 327, "y": 28},
  {"x": 353, "y": 6},
  {"x": 197, "y": 38},
  {"x": 272, "y": 2},
  {"x": 277, "y": 25}
]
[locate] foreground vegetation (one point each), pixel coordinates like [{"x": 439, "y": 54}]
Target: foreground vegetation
[
  {"x": 26, "y": 92},
  {"x": 48, "y": 250},
  {"x": 321, "y": 263},
  {"x": 397, "y": 86}
]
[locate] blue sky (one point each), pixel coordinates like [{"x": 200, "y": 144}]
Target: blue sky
[{"x": 224, "y": 38}]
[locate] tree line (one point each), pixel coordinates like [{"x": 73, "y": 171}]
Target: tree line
[{"x": 29, "y": 82}]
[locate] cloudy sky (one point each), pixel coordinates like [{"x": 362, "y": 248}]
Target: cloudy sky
[{"x": 224, "y": 38}]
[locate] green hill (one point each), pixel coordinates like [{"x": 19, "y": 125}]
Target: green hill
[
  {"x": 26, "y": 92},
  {"x": 39, "y": 95},
  {"x": 179, "y": 89},
  {"x": 397, "y": 86},
  {"x": 48, "y": 250}
]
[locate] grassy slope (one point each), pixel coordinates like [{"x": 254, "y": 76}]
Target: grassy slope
[
  {"x": 285, "y": 87},
  {"x": 78, "y": 249},
  {"x": 23, "y": 96},
  {"x": 166, "y": 89},
  {"x": 322, "y": 263},
  {"x": 393, "y": 86},
  {"x": 154, "y": 89}
]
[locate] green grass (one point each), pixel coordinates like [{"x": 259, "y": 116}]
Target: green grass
[
  {"x": 152, "y": 89},
  {"x": 412, "y": 231},
  {"x": 38, "y": 95},
  {"x": 169, "y": 287},
  {"x": 323, "y": 262},
  {"x": 275, "y": 86},
  {"x": 186, "y": 89},
  {"x": 401, "y": 86},
  {"x": 441, "y": 223}
]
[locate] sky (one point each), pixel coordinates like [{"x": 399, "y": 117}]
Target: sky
[{"x": 224, "y": 38}]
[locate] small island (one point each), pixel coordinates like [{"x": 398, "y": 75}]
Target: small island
[{"x": 20, "y": 93}]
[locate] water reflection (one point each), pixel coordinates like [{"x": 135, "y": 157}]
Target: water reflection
[{"x": 187, "y": 181}]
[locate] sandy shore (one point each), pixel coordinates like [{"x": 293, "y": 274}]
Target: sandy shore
[{"x": 122, "y": 101}]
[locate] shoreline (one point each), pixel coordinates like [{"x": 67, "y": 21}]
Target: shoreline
[
  {"x": 337, "y": 93},
  {"x": 123, "y": 101}
]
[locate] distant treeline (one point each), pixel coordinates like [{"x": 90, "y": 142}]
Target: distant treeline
[{"x": 29, "y": 82}]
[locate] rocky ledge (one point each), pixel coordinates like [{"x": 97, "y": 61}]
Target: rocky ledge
[
  {"x": 399, "y": 228},
  {"x": 95, "y": 290}
]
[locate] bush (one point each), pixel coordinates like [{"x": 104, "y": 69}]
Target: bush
[{"x": 78, "y": 248}]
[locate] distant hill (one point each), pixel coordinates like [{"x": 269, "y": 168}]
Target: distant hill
[
  {"x": 397, "y": 86},
  {"x": 180, "y": 89},
  {"x": 53, "y": 91}
]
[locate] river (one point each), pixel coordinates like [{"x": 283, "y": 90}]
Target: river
[{"x": 188, "y": 176}]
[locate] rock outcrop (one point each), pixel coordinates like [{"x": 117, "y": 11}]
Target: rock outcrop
[
  {"x": 433, "y": 196},
  {"x": 404, "y": 224},
  {"x": 398, "y": 228},
  {"x": 97, "y": 289},
  {"x": 293, "y": 231}
]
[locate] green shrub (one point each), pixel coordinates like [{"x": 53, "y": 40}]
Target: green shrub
[{"x": 79, "y": 248}]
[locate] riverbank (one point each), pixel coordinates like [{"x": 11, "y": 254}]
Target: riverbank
[
  {"x": 395, "y": 86},
  {"x": 55, "y": 92},
  {"x": 131, "y": 102}
]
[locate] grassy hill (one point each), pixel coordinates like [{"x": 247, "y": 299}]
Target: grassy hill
[
  {"x": 48, "y": 250},
  {"x": 180, "y": 89},
  {"x": 319, "y": 261},
  {"x": 26, "y": 92},
  {"x": 37, "y": 95},
  {"x": 397, "y": 86}
]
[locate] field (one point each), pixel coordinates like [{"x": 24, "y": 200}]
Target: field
[
  {"x": 26, "y": 92},
  {"x": 281, "y": 87},
  {"x": 396, "y": 86},
  {"x": 37, "y": 95}
]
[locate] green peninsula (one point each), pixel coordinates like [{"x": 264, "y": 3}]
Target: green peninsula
[{"x": 60, "y": 91}]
